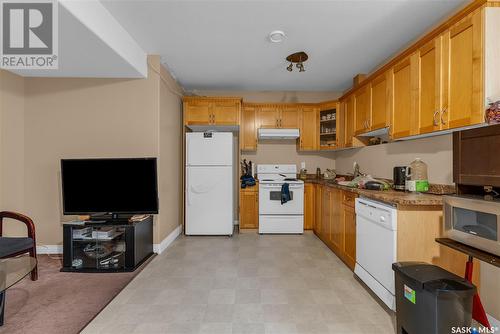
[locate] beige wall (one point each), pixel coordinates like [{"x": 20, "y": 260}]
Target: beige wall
[
  {"x": 379, "y": 160},
  {"x": 12, "y": 148},
  {"x": 283, "y": 152},
  {"x": 170, "y": 180},
  {"x": 79, "y": 118}
]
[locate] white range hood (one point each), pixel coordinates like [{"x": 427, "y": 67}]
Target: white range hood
[{"x": 278, "y": 133}]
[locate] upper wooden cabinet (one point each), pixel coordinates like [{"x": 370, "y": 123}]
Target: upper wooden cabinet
[
  {"x": 211, "y": 110},
  {"x": 362, "y": 110},
  {"x": 349, "y": 108},
  {"x": 276, "y": 116},
  {"x": 309, "y": 128},
  {"x": 428, "y": 65},
  {"x": 289, "y": 116},
  {"x": 248, "y": 128},
  {"x": 380, "y": 102},
  {"x": 268, "y": 116},
  {"x": 463, "y": 73},
  {"x": 197, "y": 111},
  {"x": 402, "y": 101}
]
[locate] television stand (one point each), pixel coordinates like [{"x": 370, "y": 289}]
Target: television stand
[{"x": 114, "y": 245}]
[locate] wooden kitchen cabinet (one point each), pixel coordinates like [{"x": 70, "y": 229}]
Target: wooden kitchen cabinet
[
  {"x": 349, "y": 121},
  {"x": 248, "y": 128},
  {"x": 318, "y": 203},
  {"x": 349, "y": 220},
  {"x": 197, "y": 112},
  {"x": 362, "y": 110},
  {"x": 428, "y": 67},
  {"x": 274, "y": 116},
  {"x": 326, "y": 215},
  {"x": 380, "y": 102},
  {"x": 211, "y": 110},
  {"x": 268, "y": 117},
  {"x": 249, "y": 208},
  {"x": 226, "y": 112},
  {"x": 336, "y": 235},
  {"x": 309, "y": 206},
  {"x": 402, "y": 118},
  {"x": 309, "y": 128},
  {"x": 463, "y": 73},
  {"x": 289, "y": 116}
]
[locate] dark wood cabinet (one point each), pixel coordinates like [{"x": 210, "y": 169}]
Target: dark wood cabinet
[{"x": 475, "y": 158}]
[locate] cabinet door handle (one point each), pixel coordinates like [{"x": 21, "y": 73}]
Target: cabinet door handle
[
  {"x": 436, "y": 123},
  {"x": 442, "y": 113},
  {"x": 277, "y": 122}
]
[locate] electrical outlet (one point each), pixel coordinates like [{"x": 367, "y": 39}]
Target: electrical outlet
[{"x": 303, "y": 165}]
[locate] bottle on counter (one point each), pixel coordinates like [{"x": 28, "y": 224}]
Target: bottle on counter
[
  {"x": 318, "y": 173},
  {"x": 416, "y": 176}
]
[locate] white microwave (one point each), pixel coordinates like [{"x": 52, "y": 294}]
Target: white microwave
[{"x": 473, "y": 221}]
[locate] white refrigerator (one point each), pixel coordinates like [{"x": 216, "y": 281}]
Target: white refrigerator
[{"x": 209, "y": 183}]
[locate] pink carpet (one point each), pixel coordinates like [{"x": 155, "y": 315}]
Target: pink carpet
[{"x": 59, "y": 303}]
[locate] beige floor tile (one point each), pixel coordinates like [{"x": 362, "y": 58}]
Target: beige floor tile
[
  {"x": 244, "y": 328},
  {"x": 274, "y": 296},
  {"x": 248, "y": 296},
  {"x": 245, "y": 284},
  {"x": 216, "y": 328},
  {"x": 222, "y": 296},
  {"x": 280, "y": 328},
  {"x": 219, "y": 313}
]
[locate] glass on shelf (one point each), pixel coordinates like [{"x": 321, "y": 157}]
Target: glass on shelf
[{"x": 98, "y": 247}]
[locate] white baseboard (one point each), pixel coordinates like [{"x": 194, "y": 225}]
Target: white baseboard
[
  {"x": 49, "y": 249},
  {"x": 159, "y": 248}
]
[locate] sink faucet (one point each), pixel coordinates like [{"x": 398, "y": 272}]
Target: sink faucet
[{"x": 356, "y": 171}]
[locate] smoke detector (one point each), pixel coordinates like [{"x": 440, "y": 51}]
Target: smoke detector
[{"x": 277, "y": 36}]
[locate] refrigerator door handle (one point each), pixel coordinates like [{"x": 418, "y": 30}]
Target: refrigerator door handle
[{"x": 188, "y": 189}]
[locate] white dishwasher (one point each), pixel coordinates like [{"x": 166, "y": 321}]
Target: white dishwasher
[{"x": 376, "y": 235}]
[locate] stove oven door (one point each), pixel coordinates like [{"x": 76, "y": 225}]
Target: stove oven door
[{"x": 270, "y": 200}]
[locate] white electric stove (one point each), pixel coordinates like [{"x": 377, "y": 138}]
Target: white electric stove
[{"x": 275, "y": 217}]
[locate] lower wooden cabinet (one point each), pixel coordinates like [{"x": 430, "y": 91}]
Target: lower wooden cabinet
[
  {"x": 336, "y": 236},
  {"x": 349, "y": 219},
  {"x": 318, "y": 201},
  {"x": 335, "y": 221},
  {"x": 309, "y": 207},
  {"x": 249, "y": 208}
]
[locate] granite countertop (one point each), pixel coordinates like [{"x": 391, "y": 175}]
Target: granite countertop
[{"x": 397, "y": 198}]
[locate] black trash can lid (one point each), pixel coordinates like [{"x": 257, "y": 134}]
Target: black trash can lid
[{"x": 426, "y": 275}]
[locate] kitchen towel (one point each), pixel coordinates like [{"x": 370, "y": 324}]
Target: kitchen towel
[{"x": 285, "y": 193}]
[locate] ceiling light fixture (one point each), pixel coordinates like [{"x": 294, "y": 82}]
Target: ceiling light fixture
[
  {"x": 298, "y": 58},
  {"x": 277, "y": 36}
]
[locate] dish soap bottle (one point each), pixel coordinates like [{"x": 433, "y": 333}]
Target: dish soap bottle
[{"x": 416, "y": 176}]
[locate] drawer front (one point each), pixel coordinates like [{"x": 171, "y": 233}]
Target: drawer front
[{"x": 349, "y": 199}]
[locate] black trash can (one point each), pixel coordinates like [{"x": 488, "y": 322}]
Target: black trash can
[{"x": 431, "y": 300}]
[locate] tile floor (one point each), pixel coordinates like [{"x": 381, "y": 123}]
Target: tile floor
[{"x": 244, "y": 284}]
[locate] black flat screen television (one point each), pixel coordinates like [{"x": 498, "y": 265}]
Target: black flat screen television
[{"x": 126, "y": 186}]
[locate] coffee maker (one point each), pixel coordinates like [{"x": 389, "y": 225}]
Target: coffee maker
[{"x": 399, "y": 178}]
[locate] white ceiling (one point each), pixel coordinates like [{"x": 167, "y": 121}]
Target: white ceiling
[
  {"x": 92, "y": 44},
  {"x": 222, "y": 45}
]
